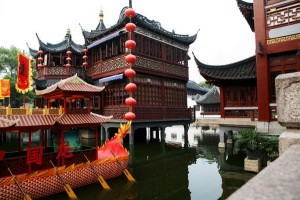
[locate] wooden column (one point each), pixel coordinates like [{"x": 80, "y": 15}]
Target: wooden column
[
  {"x": 97, "y": 138},
  {"x": 28, "y": 147},
  {"x": 89, "y": 105},
  {"x": 62, "y": 143},
  {"x": 222, "y": 102},
  {"x": 262, "y": 66},
  {"x": 65, "y": 105},
  {"x": 19, "y": 141}
]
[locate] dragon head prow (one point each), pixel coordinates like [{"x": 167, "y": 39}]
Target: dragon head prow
[{"x": 115, "y": 144}]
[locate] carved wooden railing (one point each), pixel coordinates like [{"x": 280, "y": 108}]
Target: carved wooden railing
[
  {"x": 156, "y": 66},
  {"x": 59, "y": 71}
]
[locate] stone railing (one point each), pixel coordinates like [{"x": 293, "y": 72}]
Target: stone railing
[{"x": 280, "y": 180}]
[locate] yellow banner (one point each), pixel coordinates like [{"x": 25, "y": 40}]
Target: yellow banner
[{"x": 4, "y": 88}]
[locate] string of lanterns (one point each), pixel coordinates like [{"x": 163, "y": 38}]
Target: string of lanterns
[
  {"x": 130, "y": 59},
  {"x": 85, "y": 57},
  {"x": 40, "y": 59},
  {"x": 68, "y": 65}
]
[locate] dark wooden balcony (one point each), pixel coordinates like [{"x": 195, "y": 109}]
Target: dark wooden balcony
[{"x": 59, "y": 72}]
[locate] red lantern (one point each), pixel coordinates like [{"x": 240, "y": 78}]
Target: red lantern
[
  {"x": 129, "y": 72},
  {"x": 130, "y": 101},
  {"x": 130, "y": 12},
  {"x": 129, "y": 116},
  {"x": 85, "y": 50},
  {"x": 40, "y": 66},
  {"x": 68, "y": 65},
  {"x": 130, "y": 87},
  {"x": 68, "y": 59},
  {"x": 69, "y": 52},
  {"x": 40, "y": 59},
  {"x": 84, "y": 57},
  {"x": 40, "y": 52},
  {"x": 85, "y": 64},
  {"x": 130, "y": 58},
  {"x": 130, "y": 27},
  {"x": 130, "y": 44}
]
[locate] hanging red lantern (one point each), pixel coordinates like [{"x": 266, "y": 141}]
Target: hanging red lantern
[
  {"x": 84, "y": 57},
  {"x": 130, "y": 87},
  {"x": 40, "y": 59},
  {"x": 69, "y": 52},
  {"x": 85, "y": 64},
  {"x": 129, "y": 116},
  {"x": 130, "y": 101},
  {"x": 130, "y": 27},
  {"x": 68, "y": 65},
  {"x": 129, "y": 72},
  {"x": 130, "y": 58},
  {"x": 40, "y": 65},
  {"x": 85, "y": 50},
  {"x": 129, "y": 12},
  {"x": 68, "y": 59},
  {"x": 130, "y": 44},
  {"x": 40, "y": 52}
]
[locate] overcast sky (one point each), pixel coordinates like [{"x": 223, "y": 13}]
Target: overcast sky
[{"x": 224, "y": 35}]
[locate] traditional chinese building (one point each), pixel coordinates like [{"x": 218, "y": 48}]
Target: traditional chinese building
[
  {"x": 210, "y": 103},
  {"x": 161, "y": 71},
  {"x": 247, "y": 87},
  {"x": 35, "y": 136}
]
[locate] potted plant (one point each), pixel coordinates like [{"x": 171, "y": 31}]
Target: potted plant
[
  {"x": 249, "y": 142},
  {"x": 257, "y": 147}
]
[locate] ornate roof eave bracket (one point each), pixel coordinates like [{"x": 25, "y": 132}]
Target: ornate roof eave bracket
[{"x": 246, "y": 9}]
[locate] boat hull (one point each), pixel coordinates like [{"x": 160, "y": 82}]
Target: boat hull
[{"x": 46, "y": 183}]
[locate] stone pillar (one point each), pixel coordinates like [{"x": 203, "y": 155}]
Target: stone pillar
[
  {"x": 102, "y": 133},
  {"x": 229, "y": 138},
  {"x": 186, "y": 139},
  {"x": 162, "y": 134},
  {"x": 131, "y": 136},
  {"x": 106, "y": 134},
  {"x": 288, "y": 109},
  {"x": 222, "y": 135}
]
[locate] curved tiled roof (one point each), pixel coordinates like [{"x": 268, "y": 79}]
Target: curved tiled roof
[
  {"x": 211, "y": 97},
  {"x": 73, "y": 83},
  {"x": 192, "y": 85},
  {"x": 66, "y": 44},
  {"x": 244, "y": 69},
  {"x": 41, "y": 84},
  {"x": 141, "y": 21},
  {"x": 28, "y": 121},
  {"x": 247, "y": 10}
]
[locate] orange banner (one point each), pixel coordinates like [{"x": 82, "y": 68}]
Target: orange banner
[
  {"x": 24, "y": 74},
  {"x": 4, "y": 88}
]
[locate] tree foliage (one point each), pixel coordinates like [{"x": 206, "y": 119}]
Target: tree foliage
[
  {"x": 8, "y": 70},
  {"x": 205, "y": 85}
]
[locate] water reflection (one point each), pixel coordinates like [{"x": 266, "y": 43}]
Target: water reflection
[{"x": 173, "y": 170}]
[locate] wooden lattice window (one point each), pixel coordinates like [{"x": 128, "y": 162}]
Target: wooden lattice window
[{"x": 115, "y": 95}]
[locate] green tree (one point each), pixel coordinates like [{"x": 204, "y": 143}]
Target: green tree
[
  {"x": 205, "y": 85},
  {"x": 9, "y": 69}
]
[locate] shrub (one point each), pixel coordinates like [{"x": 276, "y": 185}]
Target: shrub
[{"x": 256, "y": 145}]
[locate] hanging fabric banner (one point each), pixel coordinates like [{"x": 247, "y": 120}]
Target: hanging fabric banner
[
  {"x": 24, "y": 74},
  {"x": 4, "y": 88}
]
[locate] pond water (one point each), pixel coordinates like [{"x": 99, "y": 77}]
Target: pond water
[{"x": 197, "y": 170}]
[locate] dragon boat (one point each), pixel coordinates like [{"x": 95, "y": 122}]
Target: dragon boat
[{"x": 111, "y": 161}]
